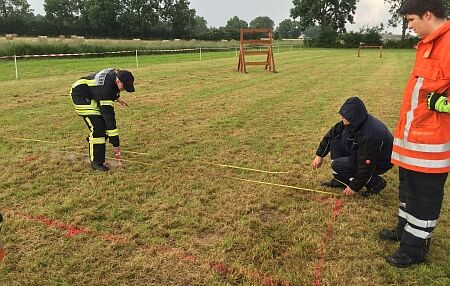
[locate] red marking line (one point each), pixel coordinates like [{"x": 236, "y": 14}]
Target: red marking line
[
  {"x": 321, "y": 253},
  {"x": 218, "y": 267}
]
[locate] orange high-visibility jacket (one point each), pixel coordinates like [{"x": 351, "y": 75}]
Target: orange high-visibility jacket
[{"x": 422, "y": 136}]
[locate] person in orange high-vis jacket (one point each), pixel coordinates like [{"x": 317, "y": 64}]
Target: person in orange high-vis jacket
[{"x": 422, "y": 138}]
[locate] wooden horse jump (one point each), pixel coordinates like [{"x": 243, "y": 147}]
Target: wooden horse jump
[
  {"x": 361, "y": 46},
  {"x": 269, "y": 63}
]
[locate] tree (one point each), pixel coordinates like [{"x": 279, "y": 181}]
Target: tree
[
  {"x": 288, "y": 29},
  {"x": 200, "y": 27},
  {"x": 180, "y": 17},
  {"x": 13, "y": 14},
  {"x": 236, "y": 24},
  {"x": 100, "y": 17},
  {"x": 61, "y": 13},
  {"x": 262, "y": 22},
  {"x": 138, "y": 16},
  {"x": 325, "y": 13},
  {"x": 396, "y": 18}
]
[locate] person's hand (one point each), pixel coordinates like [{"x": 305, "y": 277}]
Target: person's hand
[
  {"x": 122, "y": 102},
  {"x": 438, "y": 102},
  {"x": 317, "y": 162},
  {"x": 349, "y": 192},
  {"x": 117, "y": 153}
]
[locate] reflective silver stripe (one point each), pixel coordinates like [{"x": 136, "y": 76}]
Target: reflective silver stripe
[
  {"x": 419, "y": 222},
  {"x": 402, "y": 205},
  {"x": 417, "y": 233},
  {"x": 421, "y": 162},
  {"x": 402, "y": 214},
  {"x": 101, "y": 76},
  {"x": 432, "y": 148},
  {"x": 414, "y": 104}
]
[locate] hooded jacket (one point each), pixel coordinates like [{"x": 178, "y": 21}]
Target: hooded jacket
[{"x": 369, "y": 141}]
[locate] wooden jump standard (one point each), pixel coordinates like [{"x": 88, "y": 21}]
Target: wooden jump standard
[{"x": 269, "y": 63}]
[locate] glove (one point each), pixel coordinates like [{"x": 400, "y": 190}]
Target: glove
[{"x": 438, "y": 102}]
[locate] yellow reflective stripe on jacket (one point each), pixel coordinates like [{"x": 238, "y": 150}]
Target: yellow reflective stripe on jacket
[
  {"x": 87, "y": 109},
  {"x": 88, "y": 82},
  {"x": 88, "y": 112},
  {"x": 99, "y": 140},
  {"x": 106, "y": 102},
  {"x": 111, "y": 133}
]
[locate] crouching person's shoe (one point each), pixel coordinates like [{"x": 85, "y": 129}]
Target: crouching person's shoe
[
  {"x": 99, "y": 167},
  {"x": 390, "y": 234},
  {"x": 375, "y": 187},
  {"x": 333, "y": 183},
  {"x": 402, "y": 259}
]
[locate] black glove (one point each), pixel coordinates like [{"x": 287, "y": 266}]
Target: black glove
[{"x": 433, "y": 98}]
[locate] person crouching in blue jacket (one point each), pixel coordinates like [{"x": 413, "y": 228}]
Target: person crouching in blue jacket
[{"x": 360, "y": 147}]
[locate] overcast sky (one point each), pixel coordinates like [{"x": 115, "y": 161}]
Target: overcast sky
[{"x": 217, "y": 12}]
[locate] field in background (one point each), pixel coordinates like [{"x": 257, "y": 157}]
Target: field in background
[{"x": 175, "y": 219}]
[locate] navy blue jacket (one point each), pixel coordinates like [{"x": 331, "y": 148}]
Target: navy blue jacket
[{"x": 370, "y": 141}]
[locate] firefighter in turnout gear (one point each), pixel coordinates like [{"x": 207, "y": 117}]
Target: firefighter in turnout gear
[
  {"x": 360, "y": 147},
  {"x": 93, "y": 97},
  {"x": 422, "y": 138}
]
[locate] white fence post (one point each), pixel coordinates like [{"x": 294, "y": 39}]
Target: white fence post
[
  {"x": 200, "y": 53},
  {"x": 137, "y": 63},
  {"x": 15, "y": 63}
]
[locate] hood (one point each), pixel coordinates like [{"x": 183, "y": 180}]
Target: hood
[{"x": 354, "y": 111}]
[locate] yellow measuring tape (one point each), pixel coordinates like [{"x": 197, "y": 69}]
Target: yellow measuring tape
[
  {"x": 285, "y": 186},
  {"x": 214, "y": 164},
  {"x": 248, "y": 169},
  {"x": 123, "y": 160}
]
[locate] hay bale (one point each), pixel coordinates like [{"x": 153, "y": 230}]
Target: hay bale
[
  {"x": 177, "y": 40},
  {"x": 136, "y": 39},
  {"x": 79, "y": 40},
  {"x": 73, "y": 37},
  {"x": 43, "y": 39},
  {"x": 9, "y": 37},
  {"x": 165, "y": 41},
  {"x": 224, "y": 40}
]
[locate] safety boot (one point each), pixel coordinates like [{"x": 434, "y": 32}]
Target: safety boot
[
  {"x": 402, "y": 259},
  {"x": 375, "y": 187},
  {"x": 99, "y": 167},
  {"x": 333, "y": 183},
  {"x": 390, "y": 234}
]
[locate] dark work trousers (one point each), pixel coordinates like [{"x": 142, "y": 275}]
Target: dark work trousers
[
  {"x": 97, "y": 137},
  {"x": 420, "y": 196},
  {"x": 345, "y": 161}
]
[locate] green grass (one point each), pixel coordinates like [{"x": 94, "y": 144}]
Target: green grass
[{"x": 187, "y": 113}]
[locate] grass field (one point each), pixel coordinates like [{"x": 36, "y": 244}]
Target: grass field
[{"x": 170, "y": 217}]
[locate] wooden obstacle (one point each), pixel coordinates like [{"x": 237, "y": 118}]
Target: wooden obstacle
[
  {"x": 362, "y": 46},
  {"x": 246, "y": 49}
]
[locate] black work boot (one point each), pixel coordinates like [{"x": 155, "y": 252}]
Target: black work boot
[
  {"x": 333, "y": 183},
  {"x": 99, "y": 167},
  {"x": 375, "y": 187},
  {"x": 402, "y": 259},
  {"x": 390, "y": 234}
]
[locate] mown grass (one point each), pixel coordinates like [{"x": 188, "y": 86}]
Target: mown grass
[{"x": 185, "y": 114}]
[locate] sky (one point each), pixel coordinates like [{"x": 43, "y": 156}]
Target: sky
[{"x": 217, "y": 12}]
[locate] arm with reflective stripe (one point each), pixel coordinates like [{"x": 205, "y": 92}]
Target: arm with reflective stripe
[{"x": 109, "y": 116}]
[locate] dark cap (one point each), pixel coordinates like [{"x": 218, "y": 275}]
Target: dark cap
[{"x": 127, "y": 79}]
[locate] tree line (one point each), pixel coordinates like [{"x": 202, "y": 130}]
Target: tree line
[{"x": 165, "y": 19}]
